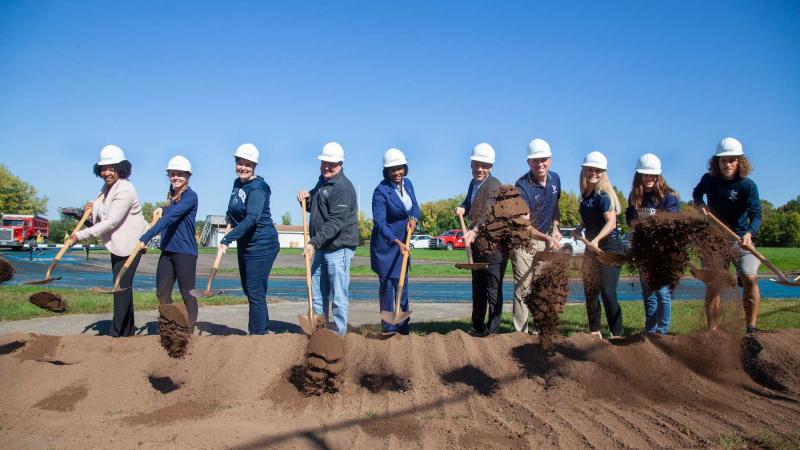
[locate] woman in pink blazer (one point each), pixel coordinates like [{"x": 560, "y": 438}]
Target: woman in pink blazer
[{"x": 118, "y": 221}]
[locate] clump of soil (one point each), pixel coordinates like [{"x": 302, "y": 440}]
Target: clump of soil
[
  {"x": 379, "y": 382},
  {"x": 49, "y": 301},
  {"x": 173, "y": 329},
  {"x": 548, "y": 294},
  {"x": 6, "y": 271},
  {"x": 65, "y": 399},
  {"x": 662, "y": 246},
  {"x": 11, "y": 347},
  {"x": 324, "y": 364},
  {"x": 505, "y": 226}
]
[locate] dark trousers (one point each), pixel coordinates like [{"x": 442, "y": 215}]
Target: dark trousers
[
  {"x": 600, "y": 282},
  {"x": 387, "y": 290},
  {"x": 487, "y": 293},
  {"x": 122, "y": 323},
  {"x": 180, "y": 266},
  {"x": 254, "y": 269}
]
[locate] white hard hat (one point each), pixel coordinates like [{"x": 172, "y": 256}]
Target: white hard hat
[
  {"x": 332, "y": 152},
  {"x": 111, "y": 154},
  {"x": 729, "y": 147},
  {"x": 539, "y": 148},
  {"x": 179, "y": 163},
  {"x": 247, "y": 151},
  {"x": 483, "y": 152},
  {"x": 394, "y": 157},
  {"x": 649, "y": 164},
  {"x": 595, "y": 159}
]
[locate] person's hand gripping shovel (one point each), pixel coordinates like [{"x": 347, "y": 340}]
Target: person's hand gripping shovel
[
  {"x": 469, "y": 265},
  {"x": 136, "y": 249},
  {"x": 398, "y": 316},
  {"x": 199, "y": 293},
  {"x": 309, "y": 323},
  {"x": 87, "y": 211},
  {"x": 609, "y": 259}
]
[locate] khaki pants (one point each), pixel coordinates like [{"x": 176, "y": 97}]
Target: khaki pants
[{"x": 523, "y": 268}]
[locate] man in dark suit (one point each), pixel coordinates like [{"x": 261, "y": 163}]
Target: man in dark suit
[{"x": 487, "y": 285}]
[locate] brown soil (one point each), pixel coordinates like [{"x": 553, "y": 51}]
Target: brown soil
[
  {"x": 505, "y": 226},
  {"x": 173, "y": 329},
  {"x": 548, "y": 294},
  {"x": 49, "y": 301},
  {"x": 6, "y": 271},
  {"x": 502, "y": 391},
  {"x": 324, "y": 363},
  {"x": 663, "y": 244}
]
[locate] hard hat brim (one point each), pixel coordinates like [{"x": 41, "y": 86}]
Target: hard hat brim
[
  {"x": 649, "y": 171},
  {"x": 329, "y": 159},
  {"x": 479, "y": 159},
  {"x": 539, "y": 156},
  {"x": 730, "y": 153},
  {"x": 596, "y": 166},
  {"x": 111, "y": 161}
]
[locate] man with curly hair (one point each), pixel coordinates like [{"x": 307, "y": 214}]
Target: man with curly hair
[{"x": 733, "y": 198}]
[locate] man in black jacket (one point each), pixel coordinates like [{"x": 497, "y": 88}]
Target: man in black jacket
[
  {"x": 334, "y": 236},
  {"x": 487, "y": 285}
]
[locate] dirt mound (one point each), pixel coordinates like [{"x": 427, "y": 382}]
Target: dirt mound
[
  {"x": 681, "y": 391},
  {"x": 505, "y": 227},
  {"x": 6, "y": 271},
  {"x": 324, "y": 363},
  {"x": 49, "y": 301},
  {"x": 173, "y": 329},
  {"x": 548, "y": 294},
  {"x": 663, "y": 245}
]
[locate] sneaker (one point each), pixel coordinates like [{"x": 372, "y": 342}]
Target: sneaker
[
  {"x": 752, "y": 329},
  {"x": 475, "y": 333},
  {"x": 533, "y": 331},
  {"x": 598, "y": 334}
]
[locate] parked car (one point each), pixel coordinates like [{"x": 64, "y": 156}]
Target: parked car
[
  {"x": 568, "y": 243},
  {"x": 449, "y": 240},
  {"x": 420, "y": 241}
]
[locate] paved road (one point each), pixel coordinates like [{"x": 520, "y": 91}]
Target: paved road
[{"x": 227, "y": 320}]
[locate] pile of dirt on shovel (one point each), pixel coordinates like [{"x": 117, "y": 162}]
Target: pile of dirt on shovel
[
  {"x": 505, "y": 226},
  {"x": 6, "y": 271},
  {"x": 663, "y": 245},
  {"x": 49, "y": 301},
  {"x": 174, "y": 329},
  {"x": 548, "y": 294},
  {"x": 324, "y": 363}
]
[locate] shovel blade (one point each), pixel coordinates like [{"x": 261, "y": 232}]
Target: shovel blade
[
  {"x": 45, "y": 281},
  {"x": 201, "y": 293},
  {"x": 308, "y": 325},
  {"x": 472, "y": 266},
  {"x": 389, "y": 317},
  {"x": 785, "y": 282}
]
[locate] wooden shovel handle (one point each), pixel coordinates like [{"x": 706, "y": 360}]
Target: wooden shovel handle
[
  {"x": 68, "y": 242},
  {"x": 307, "y": 261},
  {"x": 467, "y": 245},
  {"x": 591, "y": 246},
  {"x": 403, "y": 267},
  {"x": 215, "y": 266}
]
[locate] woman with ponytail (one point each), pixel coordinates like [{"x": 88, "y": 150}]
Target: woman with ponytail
[{"x": 178, "y": 244}]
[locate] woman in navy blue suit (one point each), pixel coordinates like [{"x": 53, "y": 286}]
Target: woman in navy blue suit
[{"x": 394, "y": 206}]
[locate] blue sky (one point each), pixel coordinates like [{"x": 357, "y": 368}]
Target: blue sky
[{"x": 432, "y": 78}]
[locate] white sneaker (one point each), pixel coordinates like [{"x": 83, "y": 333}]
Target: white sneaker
[{"x": 598, "y": 334}]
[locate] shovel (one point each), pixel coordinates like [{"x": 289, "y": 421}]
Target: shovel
[
  {"x": 469, "y": 265},
  {"x": 308, "y": 322},
  {"x": 782, "y": 279},
  {"x": 399, "y": 316},
  {"x": 136, "y": 249},
  {"x": 197, "y": 293},
  {"x": 609, "y": 259},
  {"x": 67, "y": 244}
]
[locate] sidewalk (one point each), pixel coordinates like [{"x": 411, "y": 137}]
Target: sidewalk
[{"x": 228, "y": 320}]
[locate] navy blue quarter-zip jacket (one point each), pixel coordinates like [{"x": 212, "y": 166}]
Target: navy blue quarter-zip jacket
[
  {"x": 176, "y": 226},
  {"x": 248, "y": 212},
  {"x": 735, "y": 202}
]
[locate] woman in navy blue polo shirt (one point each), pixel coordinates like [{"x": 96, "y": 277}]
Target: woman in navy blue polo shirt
[
  {"x": 178, "y": 245},
  {"x": 599, "y": 208},
  {"x": 394, "y": 206}
]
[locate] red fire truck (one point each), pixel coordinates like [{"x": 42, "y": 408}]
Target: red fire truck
[{"x": 20, "y": 229}]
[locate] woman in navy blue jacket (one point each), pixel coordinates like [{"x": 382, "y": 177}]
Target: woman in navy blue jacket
[
  {"x": 394, "y": 206},
  {"x": 178, "y": 246},
  {"x": 650, "y": 195},
  {"x": 255, "y": 235}
]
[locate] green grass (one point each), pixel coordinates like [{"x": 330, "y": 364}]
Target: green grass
[{"x": 687, "y": 315}]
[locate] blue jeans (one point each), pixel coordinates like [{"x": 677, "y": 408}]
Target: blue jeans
[
  {"x": 330, "y": 283},
  {"x": 656, "y": 307},
  {"x": 387, "y": 290},
  {"x": 254, "y": 273}
]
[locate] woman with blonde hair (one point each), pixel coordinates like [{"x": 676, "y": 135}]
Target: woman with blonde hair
[
  {"x": 650, "y": 195},
  {"x": 599, "y": 208}
]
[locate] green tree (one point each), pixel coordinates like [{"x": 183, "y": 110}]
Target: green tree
[
  {"x": 148, "y": 208},
  {"x": 364, "y": 227},
  {"x": 286, "y": 218},
  {"x": 60, "y": 227},
  {"x": 622, "y": 223},
  {"x": 569, "y": 205},
  {"x": 19, "y": 197},
  {"x": 779, "y": 229},
  {"x": 439, "y": 215},
  {"x": 792, "y": 205}
]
